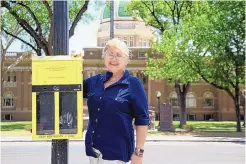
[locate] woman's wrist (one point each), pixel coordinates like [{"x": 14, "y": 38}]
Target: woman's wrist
[{"x": 139, "y": 152}]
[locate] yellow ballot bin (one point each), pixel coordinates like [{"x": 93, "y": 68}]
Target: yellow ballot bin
[{"x": 57, "y": 97}]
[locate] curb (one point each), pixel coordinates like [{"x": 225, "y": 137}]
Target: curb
[{"x": 147, "y": 141}]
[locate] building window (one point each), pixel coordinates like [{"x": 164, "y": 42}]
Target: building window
[
  {"x": 91, "y": 74},
  {"x": 8, "y": 99},
  {"x": 138, "y": 75},
  {"x": 191, "y": 117},
  {"x": 106, "y": 40},
  {"x": 190, "y": 100},
  {"x": 242, "y": 117},
  {"x": 131, "y": 42},
  {"x": 208, "y": 117},
  {"x": 208, "y": 99},
  {"x": 176, "y": 117},
  {"x": 144, "y": 78},
  {"x": 103, "y": 43},
  {"x": 7, "y": 117},
  {"x": 141, "y": 42},
  {"x": 125, "y": 40},
  {"x": 11, "y": 77},
  {"x": 173, "y": 99},
  {"x": 141, "y": 54},
  {"x": 145, "y": 43},
  {"x": 8, "y": 102}
]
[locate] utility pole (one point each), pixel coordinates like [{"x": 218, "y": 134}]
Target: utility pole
[
  {"x": 111, "y": 19},
  {"x": 60, "y": 47}
]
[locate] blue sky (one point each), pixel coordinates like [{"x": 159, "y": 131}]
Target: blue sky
[{"x": 84, "y": 35}]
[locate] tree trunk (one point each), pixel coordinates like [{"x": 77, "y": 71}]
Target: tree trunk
[
  {"x": 237, "y": 108},
  {"x": 244, "y": 115},
  {"x": 181, "y": 93},
  {"x": 242, "y": 103},
  {"x": 182, "y": 110}
]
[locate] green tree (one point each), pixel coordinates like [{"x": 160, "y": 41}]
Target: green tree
[
  {"x": 6, "y": 42},
  {"x": 36, "y": 19},
  {"x": 214, "y": 38},
  {"x": 165, "y": 16}
]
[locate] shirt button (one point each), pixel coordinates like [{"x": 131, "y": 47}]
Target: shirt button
[
  {"x": 98, "y": 109},
  {"x": 100, "y": 98},
  {"x": 96, "y": 120},
  {"x": 93, "y": 131}
]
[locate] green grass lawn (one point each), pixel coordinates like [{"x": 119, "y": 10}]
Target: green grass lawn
[
  {"x": 198, "y": 126},
  {"x": 15, "y": 126},
  {"x": 209, "y": 126}
]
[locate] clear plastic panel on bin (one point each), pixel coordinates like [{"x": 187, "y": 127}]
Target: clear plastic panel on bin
[
  {"x": 45, "y": 113},
  {"x": 68, "y": 112}
]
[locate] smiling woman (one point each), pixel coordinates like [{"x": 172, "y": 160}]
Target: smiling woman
[{"x": 114, "y": 100}]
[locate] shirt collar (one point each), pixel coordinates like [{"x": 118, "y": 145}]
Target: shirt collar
[{"x": 123, "y": 80}]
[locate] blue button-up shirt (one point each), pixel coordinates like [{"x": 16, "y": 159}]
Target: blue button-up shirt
[{"x": 111, "y": 112}]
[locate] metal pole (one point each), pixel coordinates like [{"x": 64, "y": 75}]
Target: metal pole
[
  {"x": 60, "y": 47},
  {"x": 111, "y": 19}
]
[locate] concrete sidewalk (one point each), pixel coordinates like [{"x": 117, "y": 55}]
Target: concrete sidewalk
[{"x": 5, "y": 138}]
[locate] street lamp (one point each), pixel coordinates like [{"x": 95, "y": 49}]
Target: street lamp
[{"x": 158, "y": 95}]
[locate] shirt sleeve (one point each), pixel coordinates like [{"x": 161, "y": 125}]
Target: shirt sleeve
[{"x": 139, "y": 103}]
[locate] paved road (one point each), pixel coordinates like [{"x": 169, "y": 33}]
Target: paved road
[{"x": 156, "y": 153}]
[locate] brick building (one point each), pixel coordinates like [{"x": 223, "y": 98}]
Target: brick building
[{"x": 203, "y": 101}]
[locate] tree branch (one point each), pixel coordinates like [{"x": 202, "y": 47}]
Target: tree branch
[
  {"x": 186, "y": 87},
  {"x": 78, "y": 17},
  {"x": 189, "y": 5},
  {"x": 50, "y": 38},
  {"x": 161, "y": 28},
  {"x": 14, "y": 36},
  {"x": 39, "y": 29},
  {"x": 179, "y": 12},
  {"x": 219, "y": 87},
  {"x": 197, "y": 70},
  {"x": 22, "y": 22},
  {"x": 40, "y": 41},
  {"x": 16, "y": 33},
  {"x": 168, "y": 5}
]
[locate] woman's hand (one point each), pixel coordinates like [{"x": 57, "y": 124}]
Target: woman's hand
[{"x": 136, "y": 159}]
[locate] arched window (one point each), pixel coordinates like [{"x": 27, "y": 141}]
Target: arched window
[
  {"x": 173, "y": 99},
  {"x": 208, "y": 99},
  {"x": 190, "y": 100},
  {"x": 8, "y": 99}
]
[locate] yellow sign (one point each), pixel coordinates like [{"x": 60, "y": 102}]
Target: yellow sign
[
  {"x": 56, "y": 70},
  {"x": 57, "y": 97}
]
